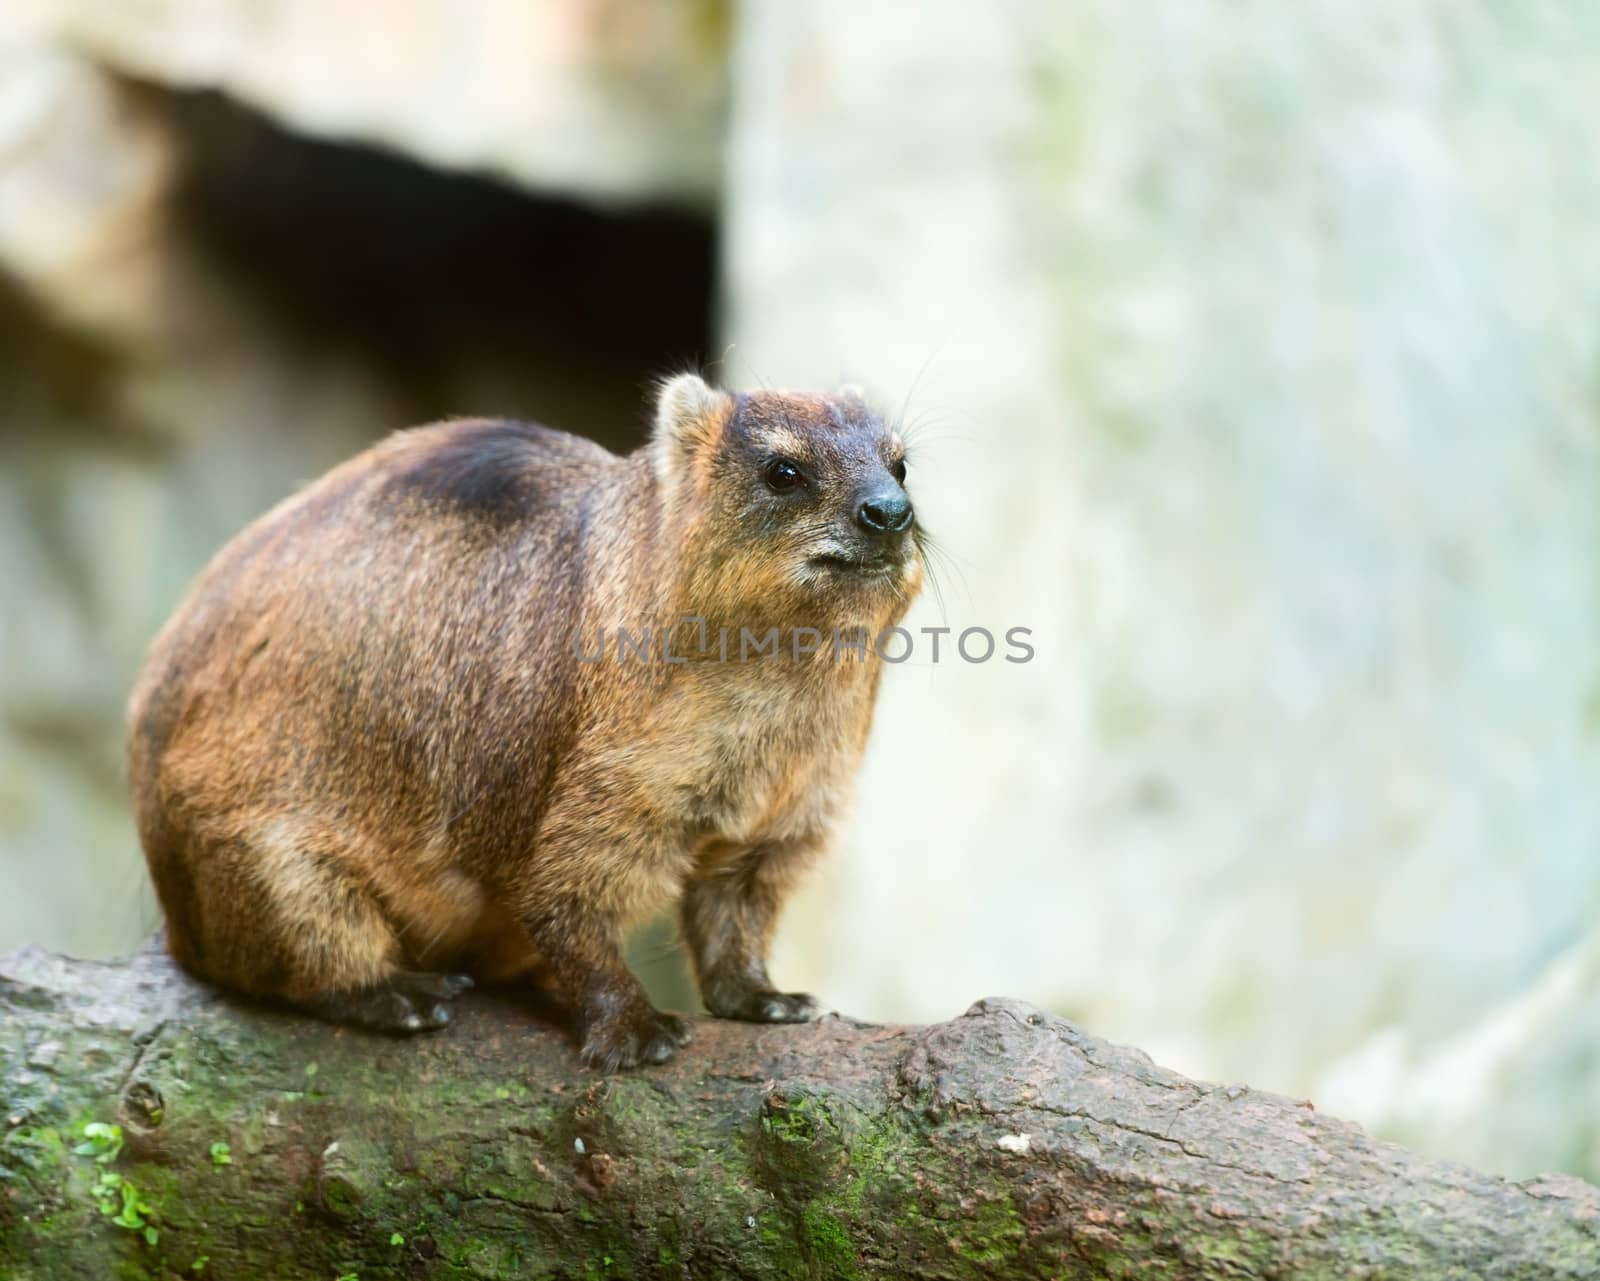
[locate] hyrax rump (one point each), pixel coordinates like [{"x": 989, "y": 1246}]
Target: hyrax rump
[{"x": 378, "y": 750}]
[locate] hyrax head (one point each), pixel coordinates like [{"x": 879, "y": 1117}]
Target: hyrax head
[{"x": 798, "y": 499}]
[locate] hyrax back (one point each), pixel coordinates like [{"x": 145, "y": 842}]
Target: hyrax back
[{"x": 378, "y": 748}]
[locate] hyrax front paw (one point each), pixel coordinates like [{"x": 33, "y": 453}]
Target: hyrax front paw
[
  {"x": 406, "y": 1002},
  {"x": 638, "y": 1035},
  {"x": 765, "y": 1006}
]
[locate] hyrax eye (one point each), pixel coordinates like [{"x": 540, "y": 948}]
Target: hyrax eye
[
  {"x": 897, "y": 469},
  {"x": 781, "y": 475}
]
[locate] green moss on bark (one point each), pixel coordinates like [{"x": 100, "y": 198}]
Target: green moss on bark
[{"x": 825, "y": 1151}]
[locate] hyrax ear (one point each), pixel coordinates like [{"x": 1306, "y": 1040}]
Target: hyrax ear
[
  {"x": 851, "y": 392},
  {"x": 689, "y": 418}
]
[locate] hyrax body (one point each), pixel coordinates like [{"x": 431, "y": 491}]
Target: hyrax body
[{"x": 370, "y": 756}]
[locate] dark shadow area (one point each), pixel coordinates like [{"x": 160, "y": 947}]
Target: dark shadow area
[
  {"x": 47, "y": 371},
  {"x": 466, "y": 295}
]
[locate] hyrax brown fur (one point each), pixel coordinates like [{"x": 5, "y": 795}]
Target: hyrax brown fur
[{"x": 371, "y": 757}]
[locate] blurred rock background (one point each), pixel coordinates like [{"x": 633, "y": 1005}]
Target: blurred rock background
[{"x": 1253, "y": 360}]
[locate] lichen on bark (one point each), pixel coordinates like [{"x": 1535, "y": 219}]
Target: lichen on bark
[{"x": 1006, "y": 1143}]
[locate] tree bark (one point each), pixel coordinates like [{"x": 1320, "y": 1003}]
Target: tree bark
[{"x": 1005, "y": 1143}]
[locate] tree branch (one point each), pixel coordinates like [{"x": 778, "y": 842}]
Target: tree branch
[{"x": 1005, "y": 1143}]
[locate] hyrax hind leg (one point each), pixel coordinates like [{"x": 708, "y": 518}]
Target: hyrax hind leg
[
  {"x": 277, "y": 917},
  {"x": 729, "y": 913}
]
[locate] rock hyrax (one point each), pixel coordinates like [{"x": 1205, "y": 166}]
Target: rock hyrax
[{"x": 393, "y": 739}]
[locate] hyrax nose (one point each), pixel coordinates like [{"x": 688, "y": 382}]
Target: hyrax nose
[{"x": 887, "y": 512}]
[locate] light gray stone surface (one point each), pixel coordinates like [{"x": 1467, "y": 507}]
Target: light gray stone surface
[
  {"x": 1261, "y": 358},
  {"x": 616, "y": 100}
]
